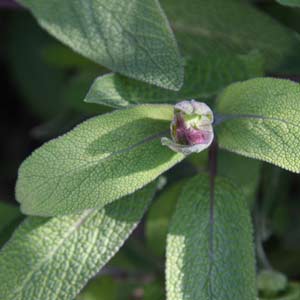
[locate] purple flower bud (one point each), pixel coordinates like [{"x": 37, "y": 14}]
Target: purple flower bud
[{"x": 191, "y": 128}]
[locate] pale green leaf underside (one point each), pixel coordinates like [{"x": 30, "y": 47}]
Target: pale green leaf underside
[
  {"x": 99, "y": 161},
  {"x": 53, "y": 258},
  {"x": 210, "y": 258},
  {"x": 295, "y": 3},
  {"x": 131, "y": 37},
  {"x": 263, "y": 121},
  {"x": 201, "y": 80}
]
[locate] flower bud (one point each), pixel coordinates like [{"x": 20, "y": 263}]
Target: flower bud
[{"x": 191, "y": 128}]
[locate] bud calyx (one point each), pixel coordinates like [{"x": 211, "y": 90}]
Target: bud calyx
[{"x": 191, "y": 128}]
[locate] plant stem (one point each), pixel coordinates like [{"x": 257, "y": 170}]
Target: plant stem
[{"x": 213, "y": 153}]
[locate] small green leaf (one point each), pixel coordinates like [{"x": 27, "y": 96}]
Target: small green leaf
[
  {"x": 99, "y": 161},
  {"x": 159, "y": 217},
  {"x": 57, "y": 256},
  {"x": 270, "y": 283},
  {"x": 295, "y": 3},
  {"x": 131, "y": 37},
  {"x": 201, "y": 80},
  {"x": 210, "y": 251},
  {"x": 261, "y": 120},
  {"x": 243, "y": 171}
]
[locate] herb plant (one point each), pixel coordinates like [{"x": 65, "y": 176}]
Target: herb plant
[{"x": 191, "y": 101}]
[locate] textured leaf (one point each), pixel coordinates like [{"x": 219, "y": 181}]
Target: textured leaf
[
  {"x": 210, "y": 255},
  {"x": 243, "y": 171},
  {"x": 159, "y": 217},
  {"x": 295, "y": 3},
  {"x": 262, "y": 121},
  {"x": 130, "y": 37},
  {"x": 101, "y": 160},
  {"x": 206, "y": 29},
  {"x": 219, "y": 40},
  {"x": 54, "y": 258},
  {"x": 201, "y": 80}
]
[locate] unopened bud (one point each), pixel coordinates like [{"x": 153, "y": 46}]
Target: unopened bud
[{"x": 191, "y": 128}]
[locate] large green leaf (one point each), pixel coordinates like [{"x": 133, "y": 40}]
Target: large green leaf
[
  {"x": 130, "y": 37},
  {"x": 206, "y": 28},
  {"x": 209, "y": 251},
  {"x": 295, "y": 3},
  {"x": 261, "y": 120},
  {"x": 222, "y": 42},
  {"x": 53, "y": 258},
  {"x": 201, "y": 80},
  {"x": 99, "y": 161}
]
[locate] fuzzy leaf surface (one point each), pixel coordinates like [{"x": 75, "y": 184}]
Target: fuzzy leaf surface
[
  {"x": 221, "y": 41},
  {"x": 53, "y": 258},
  {"x": 201, "y": 80},
  {"x": 261, "y": 120},
  {"x": 130, "y": 37},
  {"x": 99, "y": 161},
  {"x": 206, "y": 29},
  {"x": 210, "y": 256}
]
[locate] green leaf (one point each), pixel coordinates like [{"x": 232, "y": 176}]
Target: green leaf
[
  {"x": 243, "y": 171},
  {"x": 292, "y": 293},
  {"x": 159, "y": 217},
  {"x": 270, "y": 283},
  {"x": 99, "y": 161},
  {"x": 295, "y": 3},
  {"x": 201, "y": 80},
  {"x": 103, "y": 287},
  {"x": 130, "y": 37},
  {"x": 8, "y": 214},
  {"x": 207, "y": 29},
  {"x": 210, "y": 251},
  {"x": 222, "y": 42},
  {"x": 261, "y": 121},
  {"x": 75, "y": 90},
  {"x": 56, "y": 256},
  {"x": 41, "y": 90}
]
